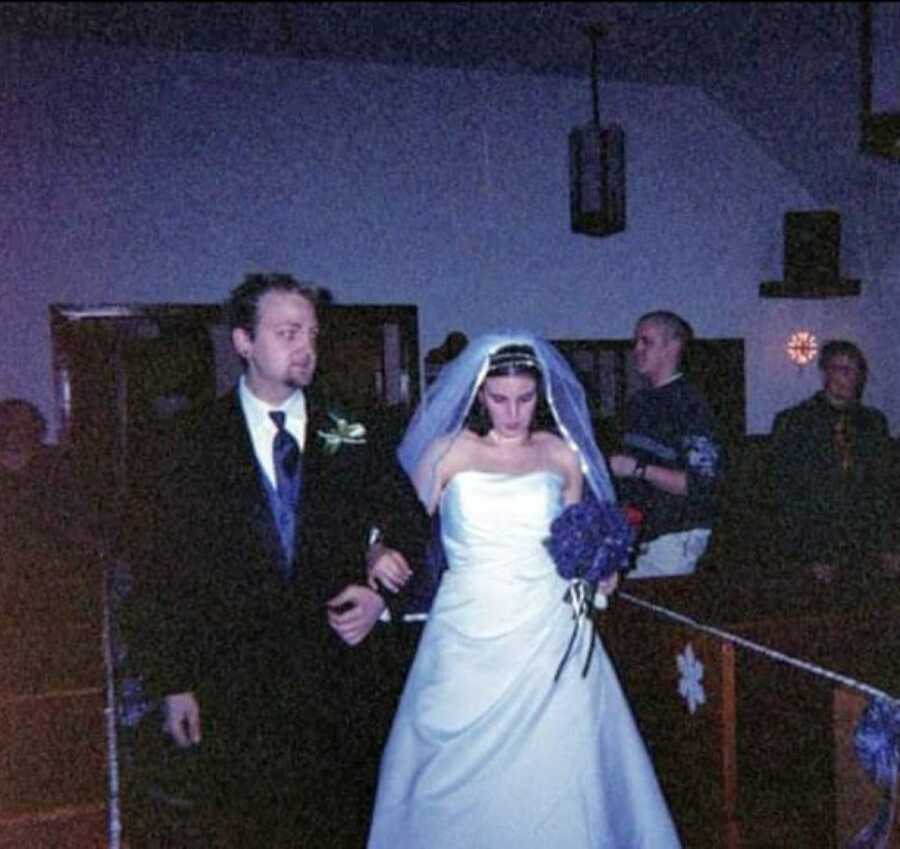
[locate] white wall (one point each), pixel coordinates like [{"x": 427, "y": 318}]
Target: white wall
[{"x": 143, "y": 177}]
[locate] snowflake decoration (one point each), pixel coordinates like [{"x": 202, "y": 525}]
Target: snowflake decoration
[
  {"x": 690, "y": 679},
  {"x": 702, "y": 455},
  {"x": 802, "y": 347}
]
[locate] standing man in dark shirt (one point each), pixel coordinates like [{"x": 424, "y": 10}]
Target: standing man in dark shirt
[
  {"x": 673, "y": 460},
  {"x": 830, "y": 471}
]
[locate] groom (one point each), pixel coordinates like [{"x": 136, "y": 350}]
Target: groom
[{"x": 254, "y": 588}]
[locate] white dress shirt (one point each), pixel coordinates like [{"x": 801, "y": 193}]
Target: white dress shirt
[{"x": 262, "y": 428}]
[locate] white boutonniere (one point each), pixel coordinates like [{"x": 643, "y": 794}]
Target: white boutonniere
[{"x": 343, "y": 433}]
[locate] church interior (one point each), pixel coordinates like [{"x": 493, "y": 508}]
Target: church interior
[{"x": 421, "y": 161}]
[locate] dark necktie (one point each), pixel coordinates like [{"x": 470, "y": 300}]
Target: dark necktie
[
  {"x": 843, "y": 442},
  {"x": 286, "y": 454}
]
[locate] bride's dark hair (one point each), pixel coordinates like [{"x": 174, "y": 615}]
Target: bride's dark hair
[{"x": 513, "y": 361}]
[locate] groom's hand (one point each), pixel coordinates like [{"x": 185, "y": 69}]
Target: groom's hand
[
  {"x": 353, "y": 612},
  {"x": 182, "y": 722}
]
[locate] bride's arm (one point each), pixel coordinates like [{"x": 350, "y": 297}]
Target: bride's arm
[
  {"x": 440, "y": 462},
  {"x": 431, "y": 474},
  {"x": 387, "y": 568},
  {"x": 574, "y": 486}
]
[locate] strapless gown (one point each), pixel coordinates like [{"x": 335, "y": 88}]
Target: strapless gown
[{"x": 486, "y": 751}]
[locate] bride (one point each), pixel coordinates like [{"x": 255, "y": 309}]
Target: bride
[{"x": 487, "y": 749}]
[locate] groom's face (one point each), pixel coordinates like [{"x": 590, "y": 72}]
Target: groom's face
[{"x": 281, "y": 354}]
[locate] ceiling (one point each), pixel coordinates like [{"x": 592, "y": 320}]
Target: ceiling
[{"x": 666, "y": 43}]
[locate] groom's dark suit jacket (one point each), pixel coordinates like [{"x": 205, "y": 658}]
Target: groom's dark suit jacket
[{"x": 212, "y": 613}]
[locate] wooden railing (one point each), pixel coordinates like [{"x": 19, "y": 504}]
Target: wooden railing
[{"x": 766, "y": 758}]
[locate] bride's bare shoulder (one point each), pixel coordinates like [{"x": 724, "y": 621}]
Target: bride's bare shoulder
[
  {"x": 462, "y": 447},
  {"x": 550, "y": 441},
  {"x": 557, "y": 448},
  {"x": 544, "y": 436},
  {"x": 467, "y": 436},
  {"x": 447, "y": 452},
  {"x": 441, "y": 447}
]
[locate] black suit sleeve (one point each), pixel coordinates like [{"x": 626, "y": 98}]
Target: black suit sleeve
[
  {"x": 406, "y": 527},
  {"x": 175, "y": 601}
]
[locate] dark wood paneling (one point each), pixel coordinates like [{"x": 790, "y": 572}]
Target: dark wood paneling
[
  {"x": 77, "y": 827},
  {"x": 767, "y": 760},
  {"x": 53, "y": 751}
]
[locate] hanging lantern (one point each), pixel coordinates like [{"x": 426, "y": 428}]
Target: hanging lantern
[{"x": 597, "y": 168}]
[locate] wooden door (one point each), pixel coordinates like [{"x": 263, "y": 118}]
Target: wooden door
[{"x": 127, "y": 374}]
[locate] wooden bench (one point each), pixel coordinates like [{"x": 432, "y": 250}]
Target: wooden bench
[{"x": 767, "y": 759}]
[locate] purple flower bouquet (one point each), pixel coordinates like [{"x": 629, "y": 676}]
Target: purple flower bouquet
[{"x": 588, "y": 542}]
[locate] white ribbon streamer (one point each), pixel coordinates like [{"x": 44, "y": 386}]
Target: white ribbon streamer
[
  {"x": 114, "y": 817},
  {"x": 778, "y": 656},
  {"x": 875, "y": 834}
]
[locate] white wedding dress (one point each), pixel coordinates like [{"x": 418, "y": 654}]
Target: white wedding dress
[{"x": 486, "y": 751}]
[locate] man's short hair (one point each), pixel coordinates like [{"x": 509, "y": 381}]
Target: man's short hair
[
  {"x": 843, "y": 348},
  {"x": 677, "y": 327},
  {"x": 242, "y": 305},
  {"x": 674, "y": 325}
]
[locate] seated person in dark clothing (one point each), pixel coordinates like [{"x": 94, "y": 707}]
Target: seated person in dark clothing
[
  {"x": 22, "y": 432},
  {"x": 50, "y": 568},
  {"x": 830, "y": 461},
  {"x": 41, "y": 507}
]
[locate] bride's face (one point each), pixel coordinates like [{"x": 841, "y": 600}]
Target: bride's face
[{"x": 510, "y": 402}]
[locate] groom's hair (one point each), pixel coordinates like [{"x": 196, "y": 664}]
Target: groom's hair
[{"x": 243, "y": 302}]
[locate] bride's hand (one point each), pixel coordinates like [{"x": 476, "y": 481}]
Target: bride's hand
[
  {"x": 608, "y": 585},
  {"x": 386, "y": 567}
]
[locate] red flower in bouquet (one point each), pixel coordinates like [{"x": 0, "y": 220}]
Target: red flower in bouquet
[{"x": 634, "y": 516}]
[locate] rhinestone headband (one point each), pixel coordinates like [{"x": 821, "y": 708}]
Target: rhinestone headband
[{"x": 514, "y": 359}]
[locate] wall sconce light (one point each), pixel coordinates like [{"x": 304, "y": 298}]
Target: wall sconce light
[{"x": 802, "y": 347}]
